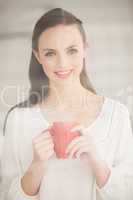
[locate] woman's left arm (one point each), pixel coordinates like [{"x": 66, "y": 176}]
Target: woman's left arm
[
  {"x": 112, "y": 182},
  {"x": 120, "y": 182}
]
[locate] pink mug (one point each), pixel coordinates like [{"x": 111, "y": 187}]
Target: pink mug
[{"x": 62, "y": 136}]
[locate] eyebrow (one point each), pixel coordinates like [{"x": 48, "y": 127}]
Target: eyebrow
[{"x": 47, "y": 49}]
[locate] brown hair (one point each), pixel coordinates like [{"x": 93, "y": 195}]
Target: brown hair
[{"x": 39, "y": 82}]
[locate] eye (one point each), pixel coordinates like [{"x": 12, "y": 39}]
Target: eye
[
  {"x": 49, "y": 54},
  {"x": 73, "y": 51}
]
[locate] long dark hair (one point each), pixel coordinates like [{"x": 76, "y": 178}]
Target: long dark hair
[{"x": 39, "y": 82}]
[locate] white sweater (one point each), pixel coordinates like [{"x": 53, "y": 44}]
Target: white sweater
[{"x": 69, "y": 179}]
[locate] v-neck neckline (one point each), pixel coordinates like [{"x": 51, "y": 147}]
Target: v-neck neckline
[{"x": 94, "y": 122}]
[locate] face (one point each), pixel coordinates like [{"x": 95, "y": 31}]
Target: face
[{"x": 60, "y": 52}]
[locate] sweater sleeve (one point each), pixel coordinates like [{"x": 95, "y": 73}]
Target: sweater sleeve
[
  {"x": 10, "y": 165},
  {"x": 120, "y": 183}
]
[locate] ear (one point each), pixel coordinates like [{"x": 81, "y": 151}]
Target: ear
[{"x": 36, "y": 55}]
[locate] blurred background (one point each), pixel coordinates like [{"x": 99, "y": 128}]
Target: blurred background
[{"x": 109, "y": 29}]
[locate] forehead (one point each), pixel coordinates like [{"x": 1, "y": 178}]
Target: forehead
[{"x": 61, "y": 35}]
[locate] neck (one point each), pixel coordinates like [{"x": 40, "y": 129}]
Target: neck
[{"x": 66, "y": 95}]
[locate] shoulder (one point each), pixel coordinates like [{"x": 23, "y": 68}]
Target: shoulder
[
  {"x": 14, "y": 114},
  {"x": 120, "y": 119},
  {"x": 111, "y": 106},
  {"x": 15, "y": 118},
  {"x": 120, "y": 111},
  {"x": 23, "y": 111},
  {"x": 120, "y": 107}
]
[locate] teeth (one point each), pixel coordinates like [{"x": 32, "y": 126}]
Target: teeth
[{"x": 66, "y": 72}]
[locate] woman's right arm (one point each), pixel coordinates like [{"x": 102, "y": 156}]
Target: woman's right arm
[
  {"x": 14, "y": 186},
  {"x": 42, "y": 151}
]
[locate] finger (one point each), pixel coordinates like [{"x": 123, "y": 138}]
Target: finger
[
  {"x": 44, "y": 138},
  {"x": 82, "y": 150},
  {"x": 50, "y": 153},
  {"x": 81, "y": 130},
  {"x": 77, "y": 128},
  {"x": 45, "y": 149},
  {"x": 41, "y": 136},
  {"x": 47, "y": 129},
  {"x": 44, "y": 143},
  {"x": 43, "y": 131},
  {"x": 76, "y": 148},
  {"x": 47, "y": 154},
  {"x": 73, "y": 142}
]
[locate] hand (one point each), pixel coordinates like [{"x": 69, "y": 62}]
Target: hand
[
  {"x": 86, "y": 150},
  {"x": 82, "y": 146},
  {"x": 42, "y": 151},
  {"x": 43, "y": 147}
]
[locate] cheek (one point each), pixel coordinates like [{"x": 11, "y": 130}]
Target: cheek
[
  {"x": 48, "y": 66},
  {"x": 48, "y": 70},
  {"x": 78, "y": 65}
]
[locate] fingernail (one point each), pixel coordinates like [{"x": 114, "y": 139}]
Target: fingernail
[{"x": 77, "y": 128}]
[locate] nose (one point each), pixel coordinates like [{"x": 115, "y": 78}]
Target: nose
[{"x": 63, "y": 62}]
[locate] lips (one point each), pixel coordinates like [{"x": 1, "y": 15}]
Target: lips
[{"x": 63, "y": 74}]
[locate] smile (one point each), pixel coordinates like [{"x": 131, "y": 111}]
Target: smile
[{"x": 63, "y": 74}]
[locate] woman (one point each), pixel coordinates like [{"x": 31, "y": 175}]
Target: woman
[{"x": 30, "y": 168}]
